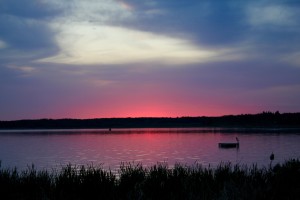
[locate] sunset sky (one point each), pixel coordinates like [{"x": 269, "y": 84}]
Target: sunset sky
[{"x": 158, "y": 58}]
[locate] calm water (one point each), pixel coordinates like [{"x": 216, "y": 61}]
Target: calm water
[{"x": 52, "y": 149}]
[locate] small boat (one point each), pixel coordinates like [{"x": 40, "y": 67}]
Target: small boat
[{"x": 230, "y": 144}]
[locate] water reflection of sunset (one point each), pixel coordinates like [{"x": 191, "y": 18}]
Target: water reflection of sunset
[{"x": 148, "y": 146}]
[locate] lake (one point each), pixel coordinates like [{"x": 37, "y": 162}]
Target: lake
[{"x": 48, "y": 149}]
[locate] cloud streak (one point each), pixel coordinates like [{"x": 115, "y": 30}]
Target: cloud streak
[{"x": 100, "y": 40}]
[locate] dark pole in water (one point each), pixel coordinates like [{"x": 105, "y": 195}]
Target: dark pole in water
[{"x": 271, "y": 159}]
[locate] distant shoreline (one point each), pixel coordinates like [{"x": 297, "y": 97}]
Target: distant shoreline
[
  {"x": 154, "y": 130},
  {"x": 265, "y": 120}
]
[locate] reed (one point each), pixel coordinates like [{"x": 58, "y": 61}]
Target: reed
[{"x": 133, "y": 181}]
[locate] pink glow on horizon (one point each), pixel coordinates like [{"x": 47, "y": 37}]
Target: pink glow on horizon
[
  {"x": 144, "y": 109},
  {"x": 139, "y": 101}
]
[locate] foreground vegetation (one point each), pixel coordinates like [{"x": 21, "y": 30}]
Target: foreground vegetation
[{"x": 157, "y": 182}]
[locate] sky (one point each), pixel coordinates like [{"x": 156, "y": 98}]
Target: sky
[{"x": 154, "y": 58}]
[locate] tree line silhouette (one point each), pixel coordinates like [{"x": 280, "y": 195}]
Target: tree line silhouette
[{"x": 261, "y": 120}]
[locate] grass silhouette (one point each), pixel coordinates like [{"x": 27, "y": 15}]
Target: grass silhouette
[{"x": 134, "y": 181}]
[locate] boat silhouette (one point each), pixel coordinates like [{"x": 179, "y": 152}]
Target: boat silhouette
[{"x": 230, "y": 144}]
